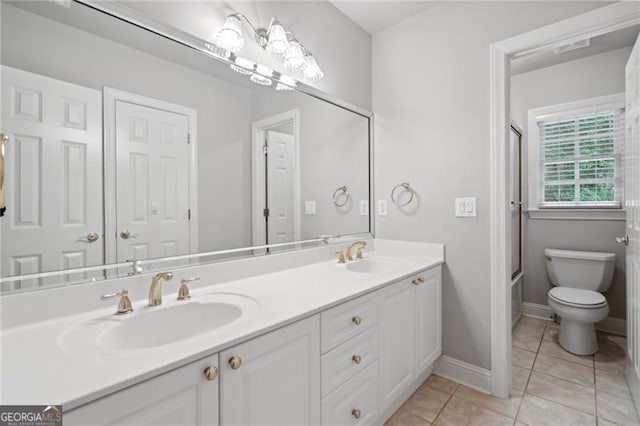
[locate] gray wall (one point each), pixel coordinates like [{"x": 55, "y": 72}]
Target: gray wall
[
  {"x": 431, "y": 100},
  {"x": 342, "y": 48},
  {"x": 589, "y": 77}
]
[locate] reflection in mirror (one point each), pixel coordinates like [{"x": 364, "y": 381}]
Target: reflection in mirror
[{"x": 125, "y": 145}]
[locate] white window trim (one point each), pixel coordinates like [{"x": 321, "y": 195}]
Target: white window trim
[{"x": 533, "y": 157}]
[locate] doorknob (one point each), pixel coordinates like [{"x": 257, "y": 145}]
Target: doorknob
[
  {"x": 90, "y": 237},
  {"x": 623, "y": 240},
  {"x": 126, "y": 234}
]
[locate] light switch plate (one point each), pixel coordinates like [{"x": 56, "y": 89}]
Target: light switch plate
[
  {"x": 364, "y": 207},
  {"x": 466, "y": 207},
  {"x": 382, "y": 207},
  {"x": 309, "y": 207}
]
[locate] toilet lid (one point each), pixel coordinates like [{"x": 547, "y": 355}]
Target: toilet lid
[{"x": 577, "y": 296}]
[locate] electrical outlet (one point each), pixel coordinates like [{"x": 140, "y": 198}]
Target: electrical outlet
[
  {"x": 382, "y": 207},
  {"x": 309, "y": 207},
  {"x": 364, "y": 207}
]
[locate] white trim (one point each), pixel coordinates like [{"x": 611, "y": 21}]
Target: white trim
[
  {"x": 258, "y": 129},
  {"x": 110, "y": 97},
  {"x": 600, "y": 21},
  {"x": 534, "y": 115},
  {"x": 633, "y": 380},
  {"x": 610, "y": 325},
  {"x": 577, "y": 214},
  {"x": 470, "y": 375}
]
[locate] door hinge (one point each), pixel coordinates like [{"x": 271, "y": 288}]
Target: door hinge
[
  {"x": 265, "y": 212},
  {"x": 189, "y": 214},
  {"x": 188, "y": 138},
  {"x": 265, "y": 149}
]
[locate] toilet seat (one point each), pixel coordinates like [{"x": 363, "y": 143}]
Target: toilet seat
[{"x": 576, "y": 297}]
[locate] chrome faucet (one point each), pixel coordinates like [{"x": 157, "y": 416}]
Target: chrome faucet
[
  {"x": 155, "y": 292},
  {"x": 359, "y": 245}
]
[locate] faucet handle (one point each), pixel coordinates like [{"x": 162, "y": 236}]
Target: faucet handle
[
  {"x": 183, "y": 291},
  {"x": 359, "y": 254},
  {"x": 124, "y": 304},
  {"x": 341, "y": 258}
]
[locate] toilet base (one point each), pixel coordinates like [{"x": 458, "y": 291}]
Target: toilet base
[{"x": 578, "y": 337}]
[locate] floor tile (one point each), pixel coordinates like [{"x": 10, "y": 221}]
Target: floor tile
[
  {"x": 507, "y": 407},
  {"x": 441, "y": 383},
  {"x": 526, "y": 339},
  {"x": 403, "y": 417},
  {"x": 566, "y": 370},
  {"x": 553, "y": 348},
  {"x": 615, "y": 409},
  {"x": 522, "y": 358},
  {"x": 563, "y": 392},
  {"x": 535, "y": 324},
  {"x": 610, "y": 356},
  {"x": 519, "y": 377},
  {"x": 459, "y": 411},
  {"x": 551, "y": 331},
  {"x": 612, "y": 382},
  {"x": 603, "y": 422},
  {"x": 540, "y": 412},
  {"x": 426, "y": 403}
]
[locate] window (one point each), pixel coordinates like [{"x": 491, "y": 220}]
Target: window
[{"x": 579, "y": 153}]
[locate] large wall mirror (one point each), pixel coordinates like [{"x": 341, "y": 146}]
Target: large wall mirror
[{"x": 127, "y": 145}]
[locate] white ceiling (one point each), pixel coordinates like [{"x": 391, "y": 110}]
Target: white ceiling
[{"x": 375, "y": 16}]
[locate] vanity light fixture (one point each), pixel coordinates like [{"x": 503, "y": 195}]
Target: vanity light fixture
[{"x": 275, "y": 40}]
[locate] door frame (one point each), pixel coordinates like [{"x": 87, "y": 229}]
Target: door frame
[
  {"x": 518, "y": 130},
  {"x": 590, "y": 24},
  {"x": 110, "y": 97},
  {"x": 258, "y": 130}
]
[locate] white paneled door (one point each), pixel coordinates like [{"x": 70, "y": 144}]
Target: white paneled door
[
  {"x": 54, "y": 217},
  {"x": 632, "y": 205},
  {"x": 280, "y": 163},
  {"x": 152, "y": 181}
]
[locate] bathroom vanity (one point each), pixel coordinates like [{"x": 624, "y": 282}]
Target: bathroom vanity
[{"x": 320, "y": 342}]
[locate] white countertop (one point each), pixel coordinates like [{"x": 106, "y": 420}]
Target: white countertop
[{"x": 36, "y": 369}]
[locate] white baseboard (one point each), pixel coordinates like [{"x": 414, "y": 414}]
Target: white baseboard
[
  {"x": 462, "y": 372},
  {"x": 609, "y": 325}
]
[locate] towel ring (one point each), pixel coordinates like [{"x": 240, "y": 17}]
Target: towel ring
[
  {"x": 406, "y": 187},
  {"x": 340, "y": 192}
]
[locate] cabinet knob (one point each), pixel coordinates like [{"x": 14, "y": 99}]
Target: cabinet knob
[
  {"x": 356, "y": 320},
  {"x": 356, "y": 413},
  {"x": 417, "y": 281},
  {"x": 235, "y": 362},
  {"x": 357, "y": 359},
  {"x": 211, "y": 372}
]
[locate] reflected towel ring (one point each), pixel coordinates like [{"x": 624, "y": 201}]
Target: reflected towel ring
[
  {"x": 340, "y": 192},
  {"x": 406, "y": 187}
]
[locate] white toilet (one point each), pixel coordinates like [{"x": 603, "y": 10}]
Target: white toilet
[{"x": 580, "y": 278}]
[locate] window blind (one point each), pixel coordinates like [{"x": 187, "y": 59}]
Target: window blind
[{"x": 581, "y": 160}]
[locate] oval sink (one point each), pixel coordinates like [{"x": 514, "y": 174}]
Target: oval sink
[
  {"x": 374, "y": 265},
  {"x": 149, "y": 327},
  {"x": 169, "y": 325}
]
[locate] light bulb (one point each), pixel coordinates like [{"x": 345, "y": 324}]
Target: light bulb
[
  {"x": 229, "y": 37},
  {"x": 277, "y": 43},
  {"x": 243, "y": 66},
  {"x": 282, "y": 87},
  {"x": 259, "y": 79},
  {"x": 285, "y": 79},
  {"x": 294, "y": 58},
  {"x": 311, "y": 71}
]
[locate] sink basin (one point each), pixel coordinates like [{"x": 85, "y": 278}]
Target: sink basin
[
  {"x": 149, "y": 327},
  {"x": 376, "y": 265}
]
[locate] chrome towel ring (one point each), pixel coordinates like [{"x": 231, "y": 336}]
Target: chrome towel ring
[
  {"x": 341, "y": 193},
  {"x": 406, "y": 187}
]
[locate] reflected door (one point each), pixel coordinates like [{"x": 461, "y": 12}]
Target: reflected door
[
  {"x": 279, "y": 163},
  {"x": 515, "y": 187},
  {"x": 152, "y": 180},
  {"x": 54, "y": 217}
]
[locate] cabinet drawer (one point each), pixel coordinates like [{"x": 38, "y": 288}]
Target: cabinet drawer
[
  {"x": 356, "y": 398},
  {"x": 348, "y": 359},
  {"x": 345, "y": 321}
]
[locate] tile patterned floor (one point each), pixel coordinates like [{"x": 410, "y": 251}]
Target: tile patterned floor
[{"x": 550, "y": 387}]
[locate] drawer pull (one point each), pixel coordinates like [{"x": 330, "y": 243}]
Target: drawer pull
[
  {"x": 235, "y": 362},
  {"x": 356, "y": 413},
  {"x": 417, "y": 281},
  {"x": 357, "y": 359},
  {"x": 211, "y": 373},
  {"x": 356, "y": 320}
]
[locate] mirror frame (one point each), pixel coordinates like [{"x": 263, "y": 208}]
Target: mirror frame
[{"x": 123, "y": 13}]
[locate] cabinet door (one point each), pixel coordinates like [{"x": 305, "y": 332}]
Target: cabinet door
[
  {"x": 428, "y": 318},
  {"x": 276, "y": 379},
  {"x": 397, "y": 346},
  {"x": 181, "y": 397}
]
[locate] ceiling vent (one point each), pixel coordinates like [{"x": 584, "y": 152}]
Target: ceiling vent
[{"x": 568, "y": 47}]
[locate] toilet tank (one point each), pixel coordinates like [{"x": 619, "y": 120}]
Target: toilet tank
[{"x": 589, "y": 270}]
